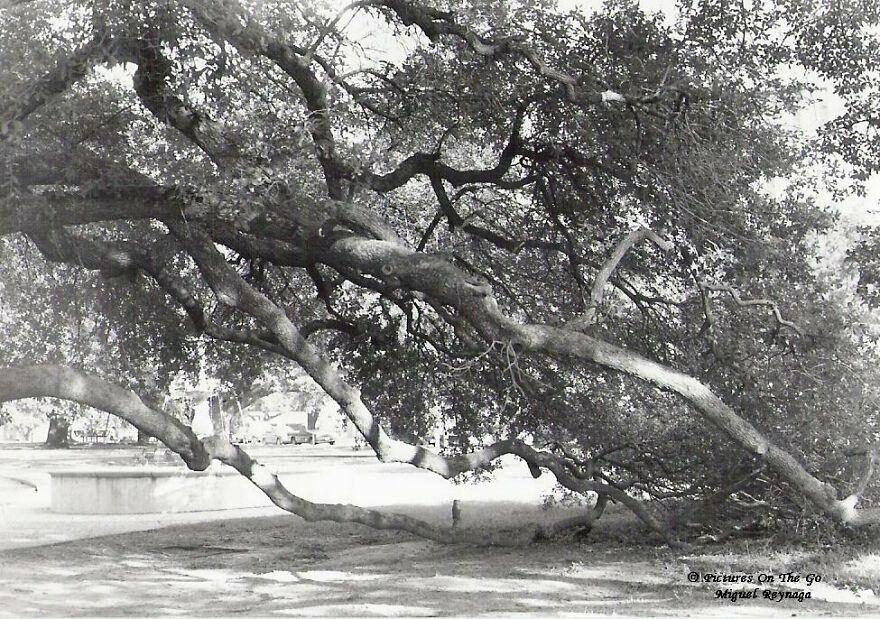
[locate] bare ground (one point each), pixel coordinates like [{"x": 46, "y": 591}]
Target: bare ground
[{"x": 283, "y": 566}]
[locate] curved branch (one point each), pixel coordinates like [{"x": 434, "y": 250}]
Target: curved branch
[
  {"x": 52, "y": 381},
  {"x": 66, "y": 383},
  {"x": 150, "y": 84},
  {"x": 435, "y": 277},
  {"x": 631, "y": 239},
  {"x": 782, "y": 322},
  {"x": 598, "y": 290},
  {"x": 427, "y": 164},
  {"x": 231, "y": 21},
  {"x": 272, "y": 487},
  {"x": 435, "y": 24}
]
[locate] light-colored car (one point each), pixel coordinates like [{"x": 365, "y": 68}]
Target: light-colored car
[
  {"x": 296, "y": 434},
  {"x": 273, "y": 437},
  {"x": 299, "y": 434}
]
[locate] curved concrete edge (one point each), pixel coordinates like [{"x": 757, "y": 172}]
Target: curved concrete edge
[
  {"x": 148, "y": 490},
  {"x": 135, "y": 472}
]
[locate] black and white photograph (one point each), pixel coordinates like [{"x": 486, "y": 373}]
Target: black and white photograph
[{"x": 439, "y": 308}]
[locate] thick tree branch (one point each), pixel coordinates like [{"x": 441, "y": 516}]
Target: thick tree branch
[
  {"x": 151, "y": 85},
  {"x": 70, "y": 384},
  {"x": 115, "y": 258},
  {"x": 428, "y": 164},
  {"x": 447, "y": 285},
  {"x": 597, "y": 291},
  {"x": 229, "y": 19},
  {"x": 57, "y": 80},
  {"x": 272, "y": 487},
  {"x": 52, "y": 381}
]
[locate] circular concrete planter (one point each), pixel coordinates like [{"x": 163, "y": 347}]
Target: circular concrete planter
[{"x": 148, "y": 490}]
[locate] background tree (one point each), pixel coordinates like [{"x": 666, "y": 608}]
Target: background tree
[{"x": 549, "y": 230}]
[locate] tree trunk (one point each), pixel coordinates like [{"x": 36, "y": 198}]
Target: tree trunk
[
  {"x": 143, "y": 438},
  {"x": 215, "y": 411},
  {"x": 57, "y": 437}
]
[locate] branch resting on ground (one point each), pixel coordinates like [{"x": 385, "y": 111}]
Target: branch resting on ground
[{"x": 77, "y": 386}]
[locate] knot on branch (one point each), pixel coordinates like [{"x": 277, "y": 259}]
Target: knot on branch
[{"x": 478, "y": 286}]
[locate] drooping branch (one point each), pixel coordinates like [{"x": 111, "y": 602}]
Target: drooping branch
[
  {"x": 67, "y": 383},
  {"x": 272, "y": 487},
  {"x": 51, "y": 381},
  {"x": 60, "y": 245},
  {"x": 57, "y": 244},
  {"x": 230, "y": 289},
  {"x": 442, "y": 281}
]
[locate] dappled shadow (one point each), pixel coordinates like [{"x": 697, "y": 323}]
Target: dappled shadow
[{"x": 283, "y": 566}]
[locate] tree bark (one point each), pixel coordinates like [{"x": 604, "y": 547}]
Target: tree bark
[{"x": 218, "y": 421}]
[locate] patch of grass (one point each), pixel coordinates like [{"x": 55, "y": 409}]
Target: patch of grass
[{"x": 853, "y": 565}]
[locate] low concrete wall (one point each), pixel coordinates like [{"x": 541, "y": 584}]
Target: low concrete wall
[{"x": 148, "y": 490}]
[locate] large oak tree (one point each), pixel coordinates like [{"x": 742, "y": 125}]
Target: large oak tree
[{"x": 551, "y": 231}]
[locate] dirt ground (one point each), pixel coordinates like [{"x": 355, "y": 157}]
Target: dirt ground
[{"x": 282, "y": 566}]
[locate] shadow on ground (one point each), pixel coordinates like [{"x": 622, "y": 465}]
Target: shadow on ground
[{"x": 284, "y": 566}]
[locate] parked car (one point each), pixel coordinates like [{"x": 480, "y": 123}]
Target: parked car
[
  {"x": 324, "y": 438},
  {"x": 298, "y": 434},
  {"x": 273, "y": 437}
]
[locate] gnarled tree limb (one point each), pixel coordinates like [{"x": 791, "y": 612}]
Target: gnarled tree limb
[
  {"x": 782, "y": 322},
  {"x": 597, "y": 291},
  {"x": 74, "y": 385}
]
